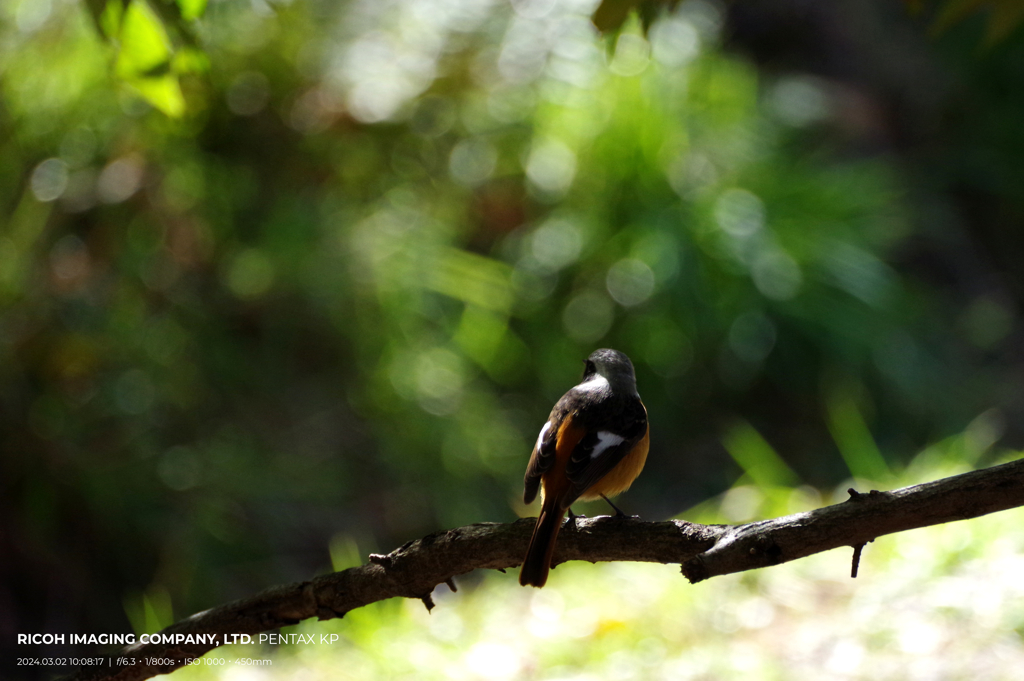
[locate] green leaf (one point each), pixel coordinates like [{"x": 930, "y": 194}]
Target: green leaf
[
  {"x": 758, "y": 459},
  {"x": 109, "y": 16},
  {"x": 163, "y": 92},
  {"x": 468, "y": 277},
  {"x": 144, "y": 60},
  {"x": 191, "y": 9},
  {"x": 145, "y": 46},
  {"x": 611, "y": 14},
  {"x": 190, "y": 60},
  {"x": 853, "y": 437},
  {"x": 650, "y": 10}
]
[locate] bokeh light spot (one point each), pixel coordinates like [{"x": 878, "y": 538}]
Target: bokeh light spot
[
  {"x": 556, "y": 243},
  {"x": 69, "y": 260},
  {"x": 551, "y": 166},
  {"x": 523, "y": 54},
  {"x": 80, "y": 195},
  {"x": 776, "y": 275},
  {"x": 533, "y": 9},
  {"x": 120, "y": 179},
  {"x": 742, "y": 503},
  {"x": 859, "y": 272},
  {"x": 799, "y": 101},
  {"x": 674, "y": 42},
  {"x": 49, "y": 180},
  {"x": 529, "y": 285},
  {"x": 472, "y": 161},
  {"x": 739, "y": 212},
  {"x": 433, "y": 116},
  {"x": 588, "y": 317},
  {"x": 987, "y": 321},
  {"x": 250, "y": 274},
  {"x": 32, "y": 14},
  {"x": 180, "y": 468},
  {"x": 183, "y": 186},
  {"x": 630, "y": 281},
  {"x": 752, "y": 336},
  {"x": 439, "y": 377},
  {"x": 134, "y": 392},
  {"x": 493, "y": 661},
  {"x": 383, "y": 72}
]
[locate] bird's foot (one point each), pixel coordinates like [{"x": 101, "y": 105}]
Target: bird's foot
[
  {"x": 618, "y": 511},
  {"x": 571, "y": 520}
]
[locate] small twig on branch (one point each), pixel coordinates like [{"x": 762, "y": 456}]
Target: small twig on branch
[
  {"x": 856, "y": 560},
  {"x": 413, "y": 570}
]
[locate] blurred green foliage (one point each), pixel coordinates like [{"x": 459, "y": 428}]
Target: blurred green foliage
[
  {"x": 1002, "y": 17},
  {"x": 316, "y": 285}
]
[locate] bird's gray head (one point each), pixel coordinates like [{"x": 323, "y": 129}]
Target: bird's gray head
[{"x": 612, "y": 365}]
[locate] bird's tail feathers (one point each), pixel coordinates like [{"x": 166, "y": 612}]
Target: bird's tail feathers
[{"x": 542, "y": 544}]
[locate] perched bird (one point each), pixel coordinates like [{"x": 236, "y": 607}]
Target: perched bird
[{"x": 594, "y": 444}]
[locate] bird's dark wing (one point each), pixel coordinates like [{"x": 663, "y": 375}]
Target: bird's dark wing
[
  {"x": 543, "y": 455},
  {"x": 605, "y": 445}
]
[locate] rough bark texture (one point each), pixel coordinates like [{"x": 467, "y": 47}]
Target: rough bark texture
[{"x": 413, "y": 570}]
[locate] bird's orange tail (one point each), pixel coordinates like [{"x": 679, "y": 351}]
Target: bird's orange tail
[{"x": 542, "y": 544}]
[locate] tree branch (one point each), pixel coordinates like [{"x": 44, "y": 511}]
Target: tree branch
[{"x": 413, "y": 570}]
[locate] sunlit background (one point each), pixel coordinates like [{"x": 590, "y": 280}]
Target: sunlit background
[{"x": 285, "y": 281}]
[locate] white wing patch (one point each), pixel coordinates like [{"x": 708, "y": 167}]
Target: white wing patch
[
  {"x": 605, "y": 439},
  {"x": 543, "y": 432}
]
